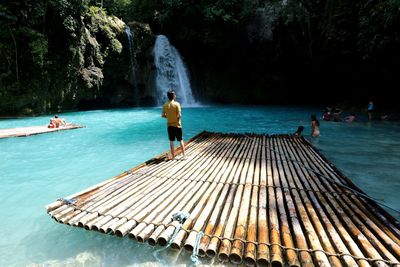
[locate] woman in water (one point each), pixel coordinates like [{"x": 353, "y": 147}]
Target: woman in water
[{"x": 314, "y": 126}]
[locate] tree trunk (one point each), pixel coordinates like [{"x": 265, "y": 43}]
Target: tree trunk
[
  {"x": 16, "y": 53},
  {"x": 44, "y": 16}
]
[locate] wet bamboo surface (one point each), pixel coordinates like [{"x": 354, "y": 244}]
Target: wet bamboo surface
[
  {"x": 33, "y": 130},
  {"x": 251, "y": 199}
]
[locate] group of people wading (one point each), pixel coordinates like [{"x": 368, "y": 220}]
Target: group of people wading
[{"x": 334, "y": 114}]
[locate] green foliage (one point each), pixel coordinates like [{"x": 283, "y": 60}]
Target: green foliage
[
  {"x": 119, "y": 8},
  {"x": 226, "y": 11},
  {"x": 96, "y": 12},
  {"x": 52, "y": 52},
  {"x": 202, "y": 21},
  {"x": 379, "y": 32},
  {"x": 116, "y": 46},
  {"x": 47, "y": 50}
]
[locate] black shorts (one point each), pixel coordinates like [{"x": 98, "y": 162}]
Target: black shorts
[{"x": 174, "y": 132}]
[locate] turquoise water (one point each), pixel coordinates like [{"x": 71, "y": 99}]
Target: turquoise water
[{"x": 37, "y": 170}]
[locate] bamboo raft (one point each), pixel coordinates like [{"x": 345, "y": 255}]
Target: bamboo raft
[
  {"x": 250, "y": 199},
  {"x": 32, "y": 130}
]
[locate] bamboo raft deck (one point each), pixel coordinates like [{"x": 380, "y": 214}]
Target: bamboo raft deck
[
  {"x": 252, "y": 199},
  {"x": 32, "y": 130}
]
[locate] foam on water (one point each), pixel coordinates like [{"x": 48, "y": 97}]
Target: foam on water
[{"x": 37, "y": 170}]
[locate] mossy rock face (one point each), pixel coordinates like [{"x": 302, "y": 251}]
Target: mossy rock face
[
  {"x": 69, "y": 62},
  {"x": 85, "y": 57},
  {"x": 127, "y": 75}
]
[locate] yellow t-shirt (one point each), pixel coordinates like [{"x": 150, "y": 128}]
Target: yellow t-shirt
[{"x": 172, "y": 109}]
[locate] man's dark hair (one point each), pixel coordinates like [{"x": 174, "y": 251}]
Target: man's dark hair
[{"x": 171, "y": 94}]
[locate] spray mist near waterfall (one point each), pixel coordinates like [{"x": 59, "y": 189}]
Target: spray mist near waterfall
[{"x": 171, "y": 73}]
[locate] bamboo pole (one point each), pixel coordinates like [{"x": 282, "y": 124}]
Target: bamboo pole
[
  {"x": 105, "y": 196},
  {"x": 216, "y": 225},
  {"x": 316, "y": 198},
  {"x": 212, "y": 189},
  {"x": 286, "y": 235},
  {"x": 137, "y": 232},
  {"x": 363, "y": 219},
  {"x": 284, "y": 196},
  {"x": 78, "y": 203},
  {"x": 274, "y": 226},
  {"x": 130, "y": 191},
  {"x": 263, "y": 256},
  {"x": 88, "y": 207},
  {"x": 362, "y": 210},
  {"x": 166, "y": 234},
  {"x": 92, "y": 189},
  {"x": 95, "y": 188},
  {"x": 309, "y": 218},
  {"x": 348, "y": 230},
  {"x": 88, "y": 202},
  {"x": 216, "y": 199},
  {"x": 121, "y": 227},
  {"x": 129, "y": 222},
  {"x": 151, "y": 232},
  {"x": 162, "y": 202},
  {"x": 186, "y": 208},
  {"x": 83, "y": 215},
  {"x": 389, "y": 225},
  {"x": 374, "y": 247},
  {"x": 223, "y": 188},
  {"x": 128, "y": 196},
  {"x": 236, "y": 254},
  {"x": 229, "y": 231},
  {"x": 126, "y": 228},
  {"x": 250, "y": 255},
  {"x": 232, "y": 177}
]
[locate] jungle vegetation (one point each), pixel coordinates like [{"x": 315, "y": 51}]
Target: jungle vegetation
[{"x": 54, "y": 54}]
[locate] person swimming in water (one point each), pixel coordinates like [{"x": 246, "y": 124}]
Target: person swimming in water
[
  {"x": 351, "y": 117},
  {"x": 327, "y": 114}
]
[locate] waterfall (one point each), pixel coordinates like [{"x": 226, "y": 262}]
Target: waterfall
[
  {"x": 129, "y": 34},
  {"x": 171, "y": 73},
  {"x": 132, "y": 74}
]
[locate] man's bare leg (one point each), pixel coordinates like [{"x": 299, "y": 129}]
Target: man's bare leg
[
  {"x": 171, "y": 145},
  {"x": 183, "y": 148}
]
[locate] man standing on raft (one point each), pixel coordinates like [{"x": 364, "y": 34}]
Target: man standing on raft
[{"x": 172, "y": 111}]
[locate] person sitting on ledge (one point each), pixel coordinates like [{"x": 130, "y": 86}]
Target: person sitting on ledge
[{"x": 56, "y": 122}]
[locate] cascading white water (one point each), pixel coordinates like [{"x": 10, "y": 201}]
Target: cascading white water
[
  {"x": 129, "y": 34},
  {"x": 132, "y": 75},
  {"x": 171, "y": 73}
]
